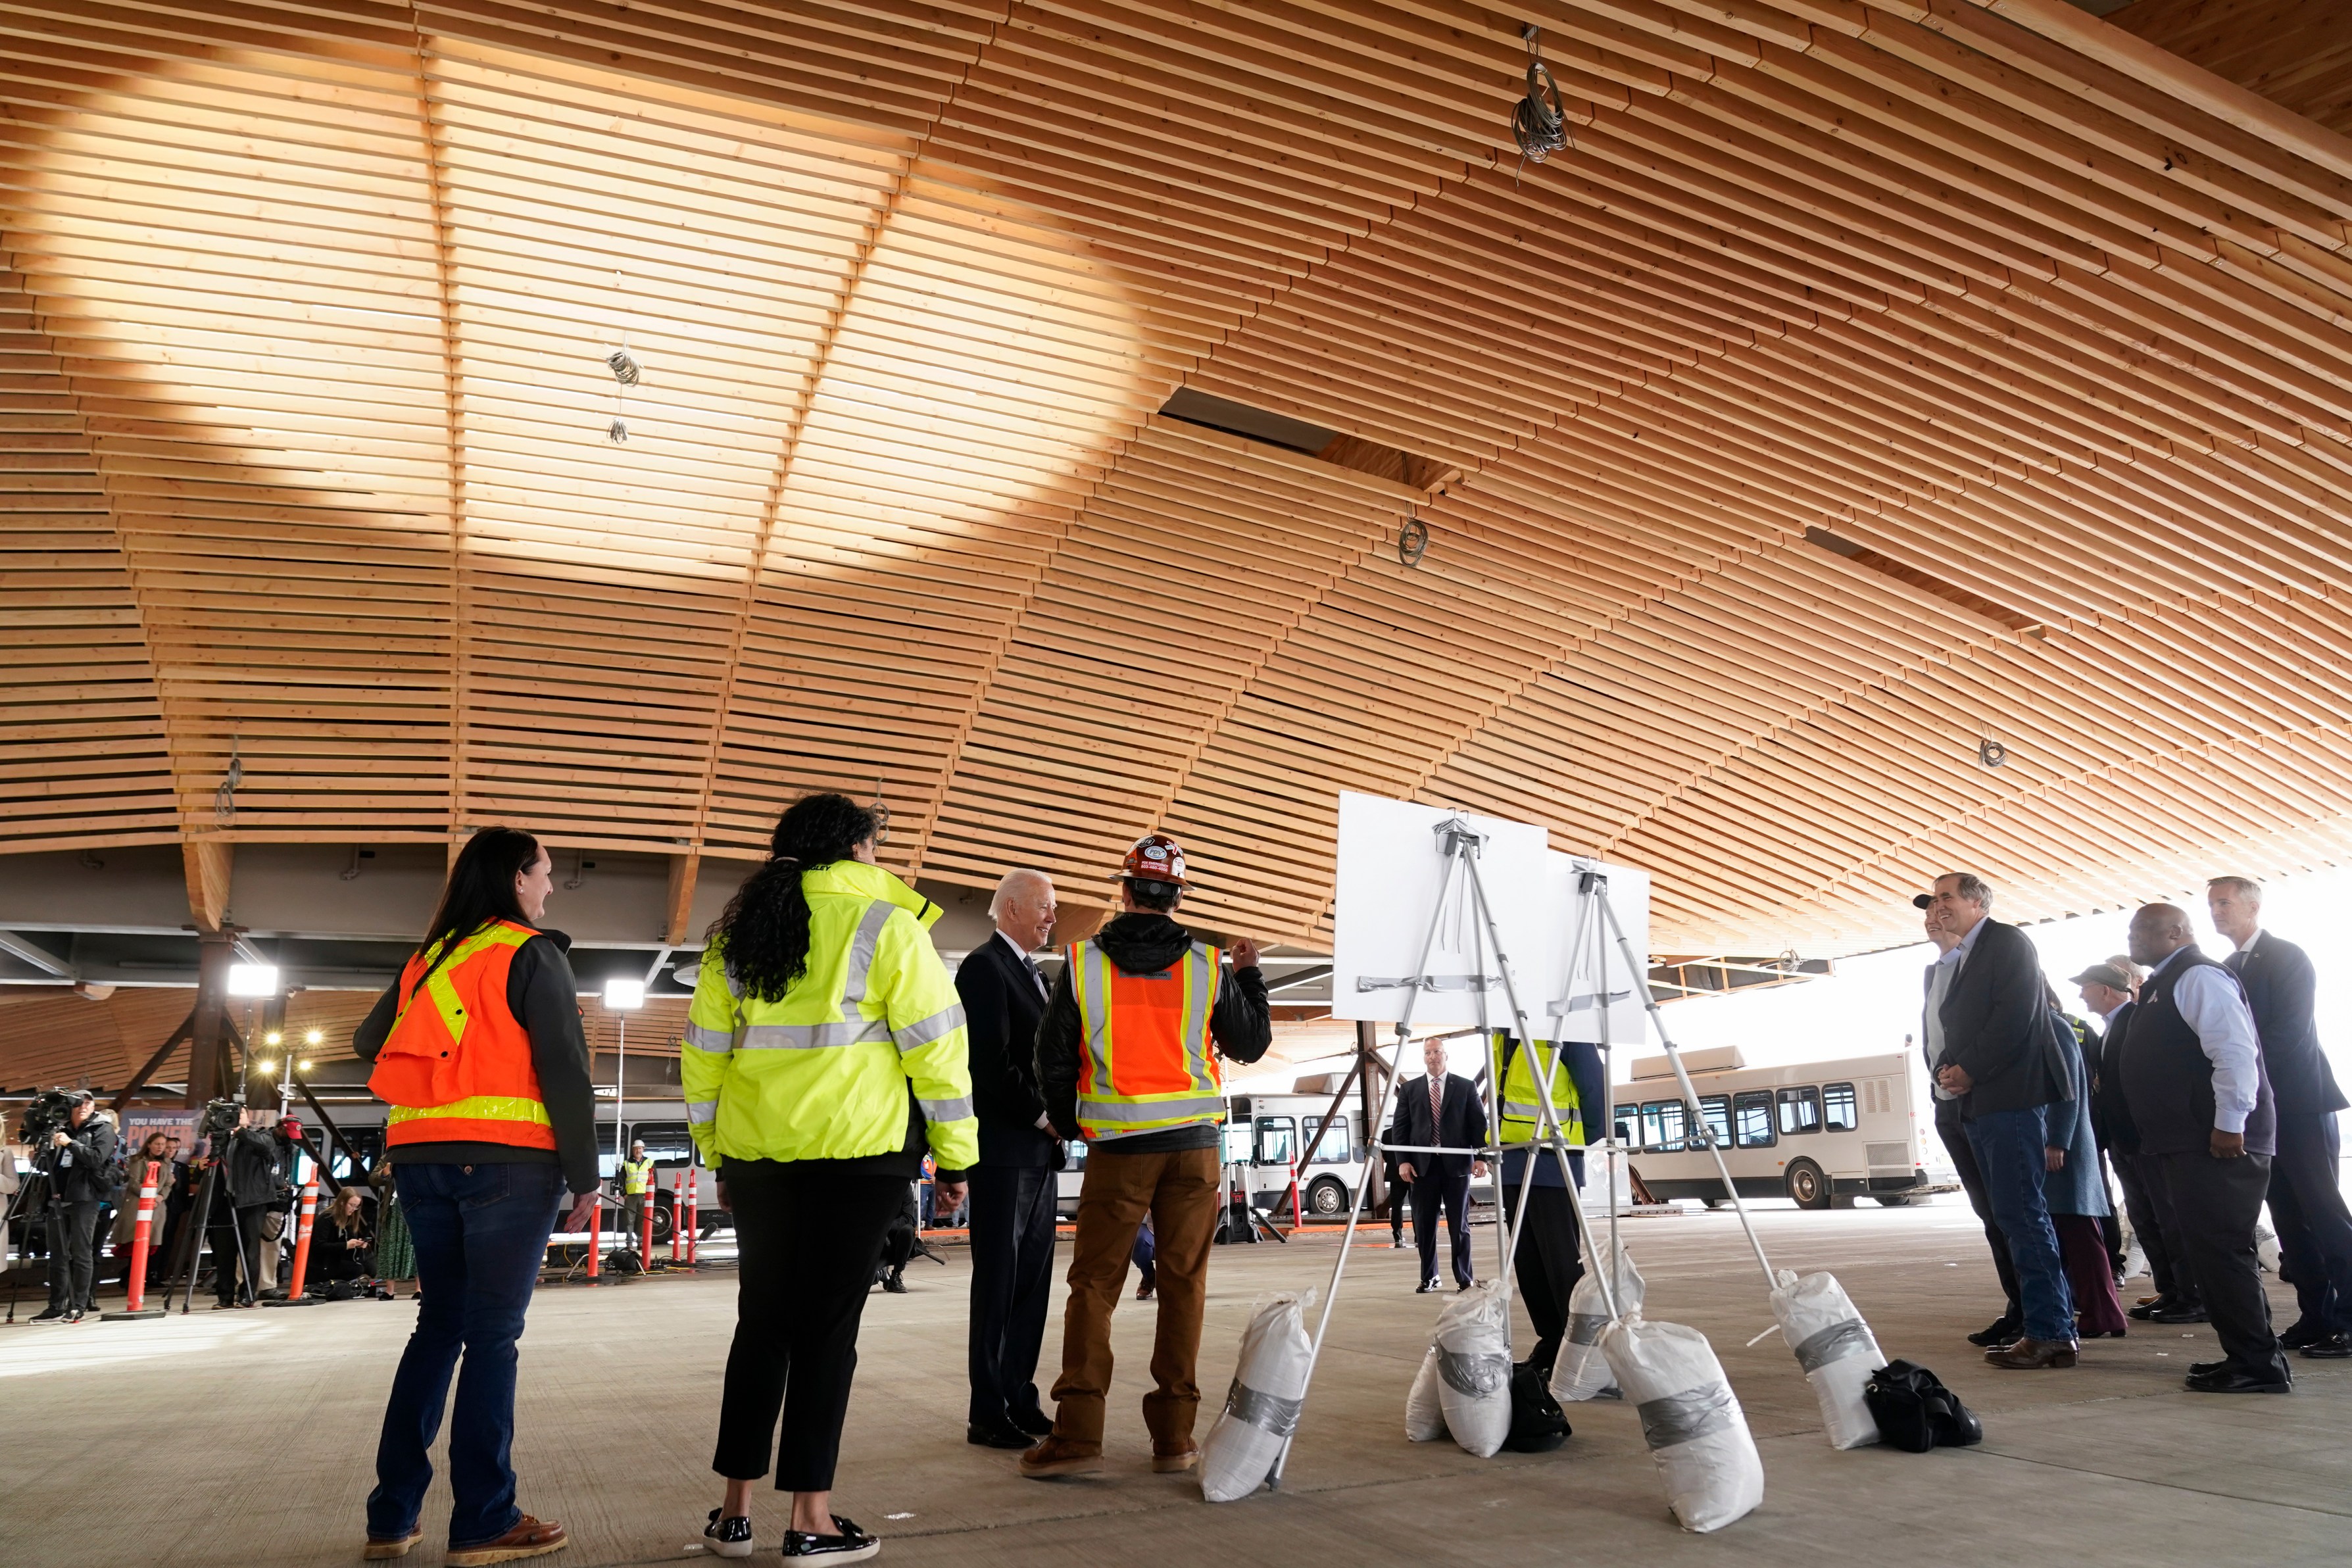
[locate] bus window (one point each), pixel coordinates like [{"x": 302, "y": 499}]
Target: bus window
[
  {"x": 1662, "y": 1126},
  {"x": 1074, "y": 1156},
  {"x": 1334, "y": 1148},
  {"x": 1838, "y": 1113},
  {"x": 1801, "y": 1111},
  {"x": 1237, "y": 1142},
  {"x": 1751, "y": 1118},
  {"x": 1629, "y": 1124},
  {"x": 1715, "y": 1110},
  {"x": 1276, "y": 1139}
]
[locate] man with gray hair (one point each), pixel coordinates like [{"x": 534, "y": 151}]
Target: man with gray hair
[
  {"x": 2314, "y": 1230},
  {"x": 2001, "y": 1057},
  {"x": 2193, "y": 1077},
  {"x": 1012, "y": 1192}
]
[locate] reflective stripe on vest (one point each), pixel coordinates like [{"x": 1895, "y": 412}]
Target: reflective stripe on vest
[
  {"x": 1523, "y": 1101},
  {"x": 852, "y": 1030},
  {"x": 456, "y": 1064},
  {"x": 1147, "y": 1064}
]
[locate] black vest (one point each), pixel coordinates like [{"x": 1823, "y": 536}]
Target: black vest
[{"x": 2168, "y": 1082}]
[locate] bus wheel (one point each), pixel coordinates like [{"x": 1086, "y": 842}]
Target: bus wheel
[
  {"x": 1327, "y": 1198},
  {"x": 1807, "y": 1185}
]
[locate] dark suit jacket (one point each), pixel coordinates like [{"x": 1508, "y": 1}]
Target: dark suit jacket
[
  {"x": 1462, "y": 1123},
  {"x": 1002, "y": 1007},
  {"x": 2110, "y": 1115},
  {"x": 2282, "y": 987},
  {"x": 1997, "y": 1026}
]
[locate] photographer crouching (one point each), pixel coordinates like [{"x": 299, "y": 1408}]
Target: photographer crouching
[{"x": 77, "y": 1159}]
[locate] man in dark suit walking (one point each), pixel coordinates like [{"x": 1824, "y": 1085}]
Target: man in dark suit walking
[
  {"x": 1012, "y": 1194},
  {"x": 2001, "y": 1057},
  {"x": 2193, "y": 1077},
  {"x": 2314, "y": 1229},
  {"x": 1441, "y": 1110}
]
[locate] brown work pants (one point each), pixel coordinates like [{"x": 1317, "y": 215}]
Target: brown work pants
[{"x": 1179, "y": 1191}]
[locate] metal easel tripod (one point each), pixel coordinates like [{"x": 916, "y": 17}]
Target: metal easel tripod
[{"x": 1458, "y": 844}]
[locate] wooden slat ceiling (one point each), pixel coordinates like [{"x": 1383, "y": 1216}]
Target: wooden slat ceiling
[
  {"x": 2297, "y": 53},
  {"x": 1863, "y": 383}
]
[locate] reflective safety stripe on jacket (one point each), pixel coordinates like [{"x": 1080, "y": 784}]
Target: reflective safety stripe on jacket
[
  {"x": 824, "y": 1071},
  {"x": 1523, "y": 1102},
  {"x": 1147, "y": 1065},
  {"x": 456, "y": 1066},
  {"x": 635, "y": 1174}
]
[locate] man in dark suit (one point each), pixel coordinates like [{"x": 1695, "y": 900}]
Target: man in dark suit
[
  {"x": 2208, "y": 1124},
  {"x": 1441, "y": 1110},
  {"x": 2000, "y": 1056},
  {"x": 2314, "y": 1229},
  {"x": 1953, "y": 1133},
  {"x": 1012, "y": 1193}
]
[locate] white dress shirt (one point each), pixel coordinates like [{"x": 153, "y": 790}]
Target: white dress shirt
[{"x": 2213, "y": 1005}]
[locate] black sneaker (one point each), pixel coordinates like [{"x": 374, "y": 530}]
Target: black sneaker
[
  {"x": 1998, "y": 1333},
  {"x": 75, "y": 1315},
  {"x": 729, "y": 1537},
  {"x": 53, "y": 1315},
  {"x": 895, "y": 1283},
  {"x": 852, "y": 1545}
]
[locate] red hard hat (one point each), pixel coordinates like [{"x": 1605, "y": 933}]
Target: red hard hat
[{"x": 1154, "y": 858}]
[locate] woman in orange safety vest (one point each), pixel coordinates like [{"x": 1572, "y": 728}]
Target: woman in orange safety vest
[{"x": 479, "y": 1057}]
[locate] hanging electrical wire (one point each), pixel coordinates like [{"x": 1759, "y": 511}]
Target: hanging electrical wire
[
  {"x": 1538, "y": 125},
  {"x": 626, "y": 372}
]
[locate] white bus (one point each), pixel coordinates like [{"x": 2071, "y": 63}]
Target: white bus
[
  {"x": 1266, "y": 1132},
  {"x": 1821, "y": 1133}
]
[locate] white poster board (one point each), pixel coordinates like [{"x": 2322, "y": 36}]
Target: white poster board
[
  {"x": 1390, "y": 871},
  {"x": 1576, "y": 968}
]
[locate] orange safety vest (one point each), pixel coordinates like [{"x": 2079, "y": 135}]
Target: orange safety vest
[
  {"x": 457, "y": 1066},
  {"x": 1147, "y": 1064}
]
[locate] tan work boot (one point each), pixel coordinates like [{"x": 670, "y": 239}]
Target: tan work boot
[
  {"x": 379, "y": 1548},
  {"x": 1062, "y": 1457},
  {"x": 529, "y": 1538},
  {"x": 1168, "y": 1461}
]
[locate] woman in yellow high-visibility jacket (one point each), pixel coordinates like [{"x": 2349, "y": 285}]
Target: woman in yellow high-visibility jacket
[{"x": 824, "y": 1050}]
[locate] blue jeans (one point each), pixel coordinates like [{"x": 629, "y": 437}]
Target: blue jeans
[
  {"x": 2007, "y": 1145},
  {"x": 481, "y": 1235}
]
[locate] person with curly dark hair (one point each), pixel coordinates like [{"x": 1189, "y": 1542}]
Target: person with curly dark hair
[{"x": 824, "y": 1051}]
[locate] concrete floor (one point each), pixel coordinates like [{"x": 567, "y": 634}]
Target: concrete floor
[{"x": 245, "y": 1438}]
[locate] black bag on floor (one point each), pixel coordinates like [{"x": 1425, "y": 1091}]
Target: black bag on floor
[
  {"x": 1538, "y": 1423},
  {"x": 1915, "y": 1412}
]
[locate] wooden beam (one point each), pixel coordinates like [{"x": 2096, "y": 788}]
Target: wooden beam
[{"x": 207, "y": 862}]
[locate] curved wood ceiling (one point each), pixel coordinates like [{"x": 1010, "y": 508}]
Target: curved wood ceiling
[{"x": 1861, "y": 383}]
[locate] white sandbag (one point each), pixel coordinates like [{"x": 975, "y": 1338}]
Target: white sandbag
[
  {"x": 1836, "y": 1349},
  {"x": 2267, "y": 1248},
  {"x": 1690, "y": 1418},
  {"x": 1424, "y": 1413},
  {"x": 1473, "y": 1368},
  {"x": 1582, "y": 1372},
  {"x": 1262, "y": 1406}
]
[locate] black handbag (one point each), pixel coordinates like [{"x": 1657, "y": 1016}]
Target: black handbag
[
  {"x": 1915, "y": 1412},
  {"x": 1538, "y": 1423}
]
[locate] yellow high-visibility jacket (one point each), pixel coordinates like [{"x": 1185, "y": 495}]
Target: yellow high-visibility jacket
[{"x": 823, "y": 1074}]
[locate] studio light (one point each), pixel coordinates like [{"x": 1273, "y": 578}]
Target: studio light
[
  {"x": 312, "y": 1038},
  {"x": 273, "y": 1038},
  {"x": 301, "y": 1067},
  {"x": 253, "y": 980},
  {"x": 624, "y": 995}
]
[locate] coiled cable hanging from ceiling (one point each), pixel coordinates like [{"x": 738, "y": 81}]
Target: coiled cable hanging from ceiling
[{"x": 1538, "y": 125}]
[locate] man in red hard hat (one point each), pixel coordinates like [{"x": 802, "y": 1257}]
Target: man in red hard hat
[{"x": 1128, "y": 1058}]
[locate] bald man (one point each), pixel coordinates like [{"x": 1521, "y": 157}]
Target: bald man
[
  {"x": 2193, "y": 1079},
  {"x": 1003, "y": 997}
]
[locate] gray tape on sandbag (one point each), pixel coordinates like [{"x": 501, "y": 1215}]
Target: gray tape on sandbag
[
  {"x": 1836, "y": 1342},
  {"x": 1266, "y": 1412},
  {"x": 1473, "y": 1375},
  {"x": 1687, "y": 1416},
  {"x": 1584, "y": 1328}
]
